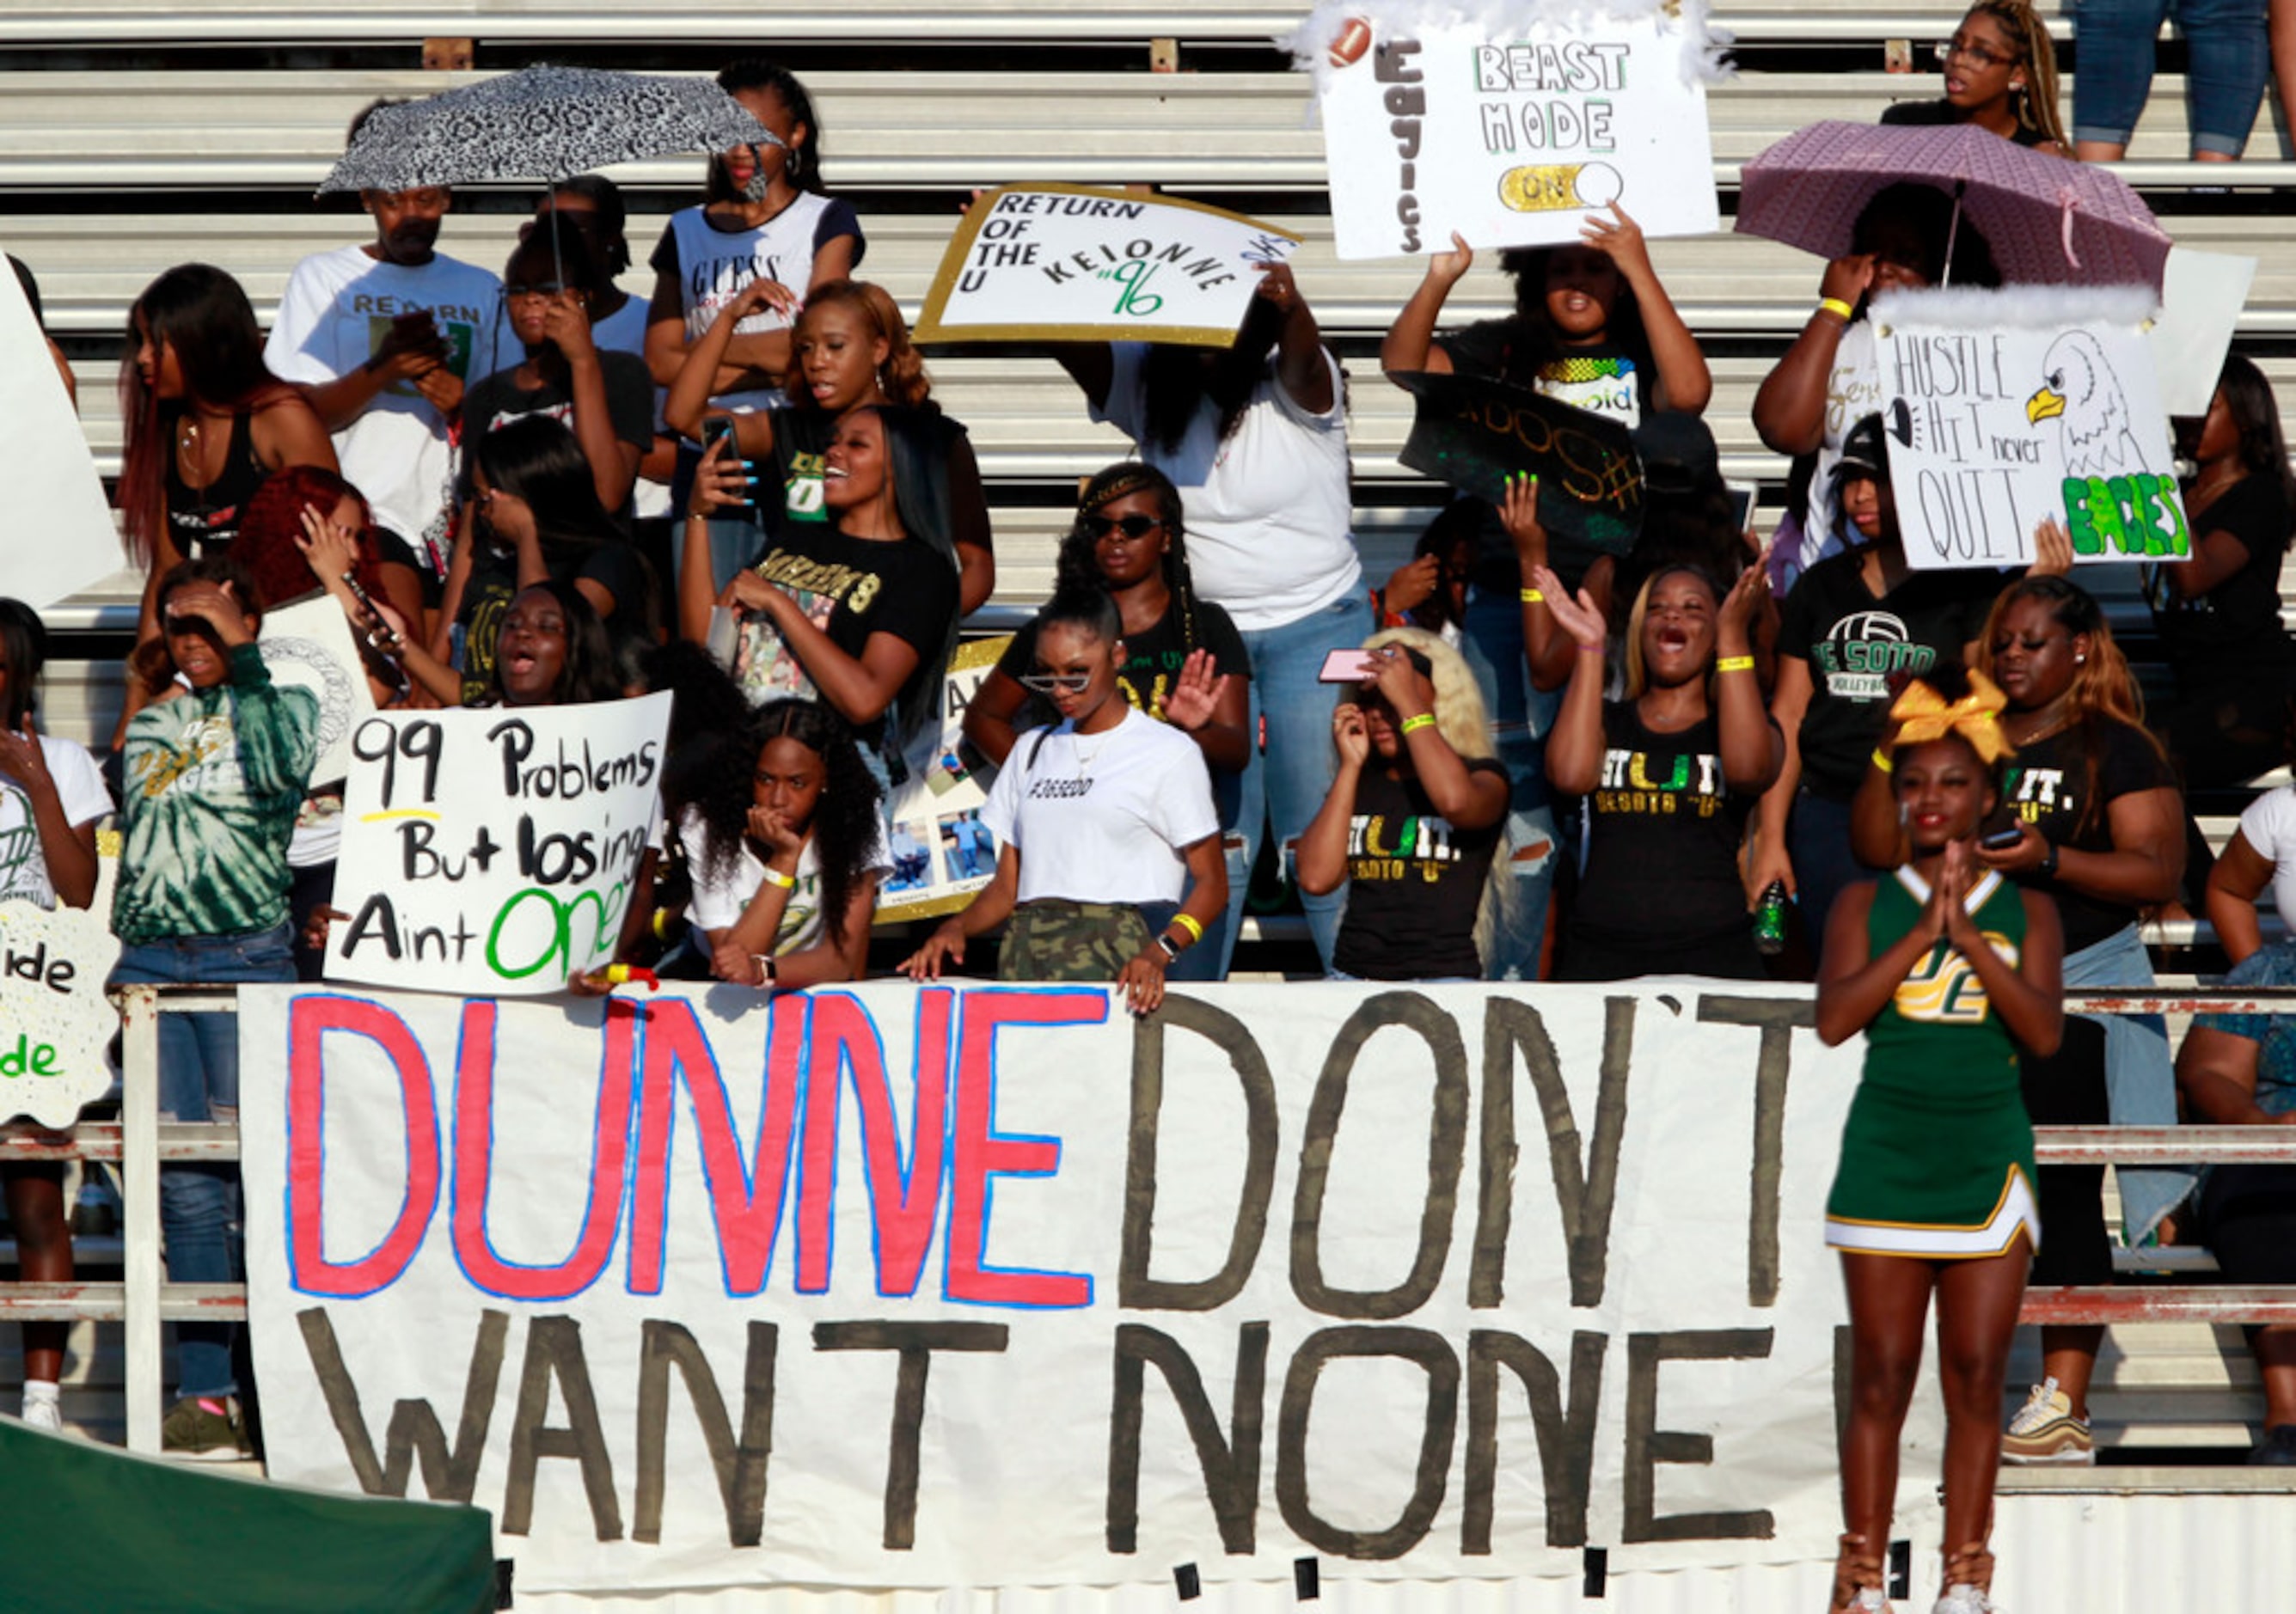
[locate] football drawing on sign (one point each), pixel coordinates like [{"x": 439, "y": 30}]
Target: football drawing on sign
[{"x": 2086, "y": 400}]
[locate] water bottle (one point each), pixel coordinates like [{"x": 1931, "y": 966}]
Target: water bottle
[{"x": 1770, "y": 920}]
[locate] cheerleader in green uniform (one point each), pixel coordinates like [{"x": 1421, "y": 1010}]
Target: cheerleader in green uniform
[{"x": 1949, "y": 970}]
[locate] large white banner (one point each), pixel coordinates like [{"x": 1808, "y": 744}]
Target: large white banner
[
  {"x": 1510, "y": 129},
  {"x": 994, "y": 1285},
  {"x": 493, "y": 847},
  {"x": 2007, "y": 408},
  {"x": 1069, "y": 263}
]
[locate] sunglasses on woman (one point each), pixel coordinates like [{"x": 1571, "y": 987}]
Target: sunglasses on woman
[
  {"x": 1131, "y": 526},
  {"x": 1055, "y": 684}
]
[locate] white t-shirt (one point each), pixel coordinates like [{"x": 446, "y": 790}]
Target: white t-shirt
[
  {"x": 713, "y": 266},
  {"x": 1268, "y": 513},
  {"x": 718, "y": 902},
  {"x": 1853, "y": 391},
  {"x": 334, "y": 316},
  {"x": 2269, "y": 825},
  {"x": 1102, "y": 817},
  {"x": 79, "y": 786}
]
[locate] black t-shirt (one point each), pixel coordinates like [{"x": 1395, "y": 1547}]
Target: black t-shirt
[
  {"x": 1415, "y": 884},
  {"x": 1853, "y": 643},
  {"x": 2233, "y": 633},
  {"x": 1151, "y": 660},
  {"x": 1928, "y": 114},
  {"x": 614, "y": 567},
  {"x": 851, "y": 588},
  {"x": 2047, "y": 782},
  {"x": 1603, "y": 378},
  {"x": 1664, "y": 830},
  {"x": 498, "y": 399}
]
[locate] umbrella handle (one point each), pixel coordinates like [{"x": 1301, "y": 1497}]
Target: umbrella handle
[{"x": 2067, "y": 203}]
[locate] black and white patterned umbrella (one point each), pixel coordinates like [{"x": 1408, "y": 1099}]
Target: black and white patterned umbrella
[{"x": 541, "y": 123}]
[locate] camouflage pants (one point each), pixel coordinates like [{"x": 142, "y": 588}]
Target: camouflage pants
[{"x": 1054, "y": 939}]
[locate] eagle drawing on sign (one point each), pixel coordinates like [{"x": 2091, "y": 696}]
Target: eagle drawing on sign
[{"x": 2084, "y": 397}]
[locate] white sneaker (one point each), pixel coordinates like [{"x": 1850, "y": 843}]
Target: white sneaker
[
  {"x": 41, "y": 1409},
  {"x": 2044, "y": 1431},
  {"x": 1869, "y": 1600},
  {"x": 1963, "y": 1599}
]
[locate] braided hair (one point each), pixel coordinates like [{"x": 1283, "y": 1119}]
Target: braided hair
[
  {"x": 2036, "y": 103},
  {"x": 1077, "y": 568}
]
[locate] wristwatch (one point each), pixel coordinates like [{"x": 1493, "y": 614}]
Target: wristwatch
[
  {"x": 765, "y": 962},
  {"x": 2048, "y": 864}
]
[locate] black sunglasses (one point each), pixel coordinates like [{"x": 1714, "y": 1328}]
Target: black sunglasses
[{"x": 1131, "y": 526}]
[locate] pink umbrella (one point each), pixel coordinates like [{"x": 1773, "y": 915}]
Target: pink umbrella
[{"x": 2049, "y": 220}]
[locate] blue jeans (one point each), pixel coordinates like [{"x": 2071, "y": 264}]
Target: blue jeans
[
  {"x": 1285, "y": 784},
  {"x": 200, "y": 1217},
  {"x": 1492, "y": 641},
  {"x": 2140, "y": 1077},
  {"x": 1817, "y": 843},
  {"x": 2229, "y": 61}
]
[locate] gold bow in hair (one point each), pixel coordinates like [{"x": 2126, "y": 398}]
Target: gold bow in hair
[{"x": 1924, "y": 715}]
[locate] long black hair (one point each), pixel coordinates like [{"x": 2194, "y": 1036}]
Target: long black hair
[
  {"x": 590, "y": 673},
  {"x": 844, "y": 827},
  {"x": 2256, "y": 412},
  {"x": 918, "y": 464},
  {"x": 24, "y": 640},
  {"x": 202, "y": 314},
  {"x": 1535, "y": 343},
  {"x": 538, "y": 459},
  {"x": 605, "y": 226},
  {"x": 1077, "y": 568},
  {"x": 1928, "y": 211},
  {"x": 804, "y": 162}
]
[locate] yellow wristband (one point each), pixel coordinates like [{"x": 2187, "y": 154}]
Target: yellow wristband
[
  {"x": 1412, "y": 725},
  {"x": 661, "y": 924},
  {"x": 1186, "y": 921},
  {"x": 775, "y": 877},
  {"x": 1834, "y": 304},
  {"x": 1882, "y": 760},
  {"x": 1734, "y": 664},
  {"x": 1531, "y": 597}
]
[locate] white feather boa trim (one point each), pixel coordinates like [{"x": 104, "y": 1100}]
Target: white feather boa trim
[
  {"x": 1979, "y": 309},
  {"x": 1702, "y": 45}
]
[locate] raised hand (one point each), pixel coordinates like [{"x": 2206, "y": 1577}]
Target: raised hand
[
  {"x": 1848, "y": 279},
  {"x": 1519, "y": 514},
  {"x": 1189, "y": 703},
  {"x": 1276, "y": 286},
  {"x": 1449, "y": 267},
  {"x": 2052, "y": 550},
  {"x": 720, "y": 481},
  {"x": 21, "y": 757},
  {"x": 1413, "y": 584},
  {"x": 212, "y": 604},
  {"x": 1619, "y": 238},
  {"x": 1733, "y": 626},
  {"x": 566, "y": 322},
  {"x": 1580, "y": 617}
]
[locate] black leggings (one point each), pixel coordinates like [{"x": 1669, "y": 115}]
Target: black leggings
[{"x": 2067, "y": 1089}]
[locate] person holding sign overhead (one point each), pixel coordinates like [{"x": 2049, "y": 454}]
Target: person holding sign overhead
[
  {"x": 1255, "y": 438},
  {"x": 1947, "y": 972},
  {"x": 51, "y": 797},
  {"x": 217, "y": 764},
  {"x": 1593, "y": 328}
]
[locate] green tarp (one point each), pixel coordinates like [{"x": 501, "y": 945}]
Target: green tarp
[{"x": 89, "y": 1526}]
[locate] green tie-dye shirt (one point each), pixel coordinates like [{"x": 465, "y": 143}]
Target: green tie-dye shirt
[{"x": 213, "y": 780}]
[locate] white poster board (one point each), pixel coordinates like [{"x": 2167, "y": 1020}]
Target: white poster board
[
  {"x": 942, "y": 853},
  {"x": 2201, "y": 295},
  {"x": 308, "y": 644},
  {"x": 1072, "y": 262},
  {"x": 55, "y": 1022},
  {"x": 2007, "y": 408},
  {"x": 994, "y": 1286},
  {"x": 494, "y": 850},
  {"x": 61, "y": 537},
  {"x": 1509, "y": 130}
]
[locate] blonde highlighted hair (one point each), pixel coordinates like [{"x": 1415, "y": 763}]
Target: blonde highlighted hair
[
  {"x": 1637, "y": 676},
  {"x": 2037, "y": 53},
  {"x": 902, "y": 375},
  {"x": 1465, "y": 726}
]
